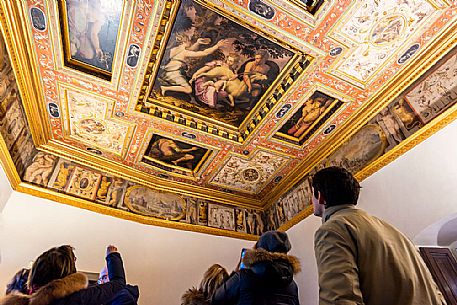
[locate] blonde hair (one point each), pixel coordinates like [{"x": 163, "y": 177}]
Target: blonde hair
[{"x": 212, "y": 279}]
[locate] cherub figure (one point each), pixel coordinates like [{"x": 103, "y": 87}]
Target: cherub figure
[
  {"x": 62, "y": 177},
  {"x": 172, "y": 74},
  {"x": 41, "y": 168}
]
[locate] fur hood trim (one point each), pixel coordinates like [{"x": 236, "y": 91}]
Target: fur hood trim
[
  {"x": 54, "y": 290},
  {"x": 254, "y": 256},
  {"x": 193, "y": 296}
]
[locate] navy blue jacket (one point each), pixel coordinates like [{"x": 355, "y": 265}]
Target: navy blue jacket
[
  {"x": 267, "y": 280},
  {"x": 100, "y": 294},
  {"x": 73, "y": 290}
]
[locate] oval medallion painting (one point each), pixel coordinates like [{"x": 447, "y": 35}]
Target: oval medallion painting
[
  {"x": 363, "y": 147},
  {"x": 145, "y": 201}
]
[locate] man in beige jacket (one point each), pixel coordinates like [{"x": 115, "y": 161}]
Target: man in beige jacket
[{"x": 360, "y": 258}]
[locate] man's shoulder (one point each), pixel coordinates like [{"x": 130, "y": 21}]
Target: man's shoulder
[{"x": 344, "y": 217}]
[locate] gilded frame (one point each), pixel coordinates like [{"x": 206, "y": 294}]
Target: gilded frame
[
  {"x": 175, "y": 170},
  {"x": 156, "y": 107},
  {"x": 82, "y": 64},
  {"x": 313, "y": 9}
]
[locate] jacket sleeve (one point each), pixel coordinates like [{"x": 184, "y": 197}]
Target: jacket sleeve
[
  {"x": 104, "y": 293},
  {"x": 229, "y": 292},
  {"x": 128, "y": 296},
  {"x": 337, "y": 268}
]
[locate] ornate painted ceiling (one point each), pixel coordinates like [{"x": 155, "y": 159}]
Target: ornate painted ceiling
[{"x": 210, "y": 115}]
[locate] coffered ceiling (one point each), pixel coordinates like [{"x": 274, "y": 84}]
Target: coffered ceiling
[{"x": 209, "y": 115}]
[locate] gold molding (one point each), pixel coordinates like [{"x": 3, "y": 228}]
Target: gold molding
[
  {"x": 438, "y": 48},
  {"x": 17, "y": 39},
  {"x": 120, "y": 170},
  {"x": 36, "y": 191}
]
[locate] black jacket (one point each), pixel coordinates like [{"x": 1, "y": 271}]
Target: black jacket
[
  {"x": 127, "y": 296},
  {"x": 72, "y": 289},
  {"x": 267, "y": 279}
]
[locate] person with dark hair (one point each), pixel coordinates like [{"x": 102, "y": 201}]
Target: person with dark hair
[
  {"x": 53, "y": 280},
  {"x": 360, "y": 258},
  {"x": 264, "y": 276},
  {"x": 19, "y": 282},
  {"x": 212, "y": 279}
]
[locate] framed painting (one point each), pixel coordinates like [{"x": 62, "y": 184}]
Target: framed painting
[
  {"x": 314, "y": 112},
  {"x": 215, "y": 72},
  {"x": 221, "y": 217},
  {"x": 145, "y": 201},
  {"x": 170, "y": 155},
  {"x": 89, "y": 31},
  {"x": 311, "y": 6}
]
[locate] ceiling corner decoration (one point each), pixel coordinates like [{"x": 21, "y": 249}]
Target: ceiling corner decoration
[{"x": 212, "y": 115}]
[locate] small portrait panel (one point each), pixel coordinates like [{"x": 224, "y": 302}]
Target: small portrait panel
[
  {"x": 314, "y": 112},
  {"x": 103, "y": 188},
  {"x": 254, "y": 222},
  {"x": 53, "y": 110},
  {"x": 84, "y": 183},
  {"x": 90, "y": 30},
  {"x": 221, "y": 217},
  {"x": 271, "y": 219},
  {"x": 240, "y": 220},
  {"x": 312, "y": 6},
  {"x": 409, "y": 120},
  {"x": 60, "y": 179},
  {"x": 174, "y": 154},
  {"x": 38, "y": 19},
  {"x": 261, "y": 9},
  {"x": 192, "y": 211},
  {"x": 116, "y": 191},
  {"x": 202, "y": 212},
  {"x": 133, "y": 55}
]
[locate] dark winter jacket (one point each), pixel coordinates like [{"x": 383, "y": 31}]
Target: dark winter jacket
[
  {"x": 267, "y": 279},
  {"x": 127, "y": 296},
  {"x": 72, "y": 289}
]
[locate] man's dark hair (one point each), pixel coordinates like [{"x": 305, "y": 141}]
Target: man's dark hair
[{"x": 336, "y": 185}]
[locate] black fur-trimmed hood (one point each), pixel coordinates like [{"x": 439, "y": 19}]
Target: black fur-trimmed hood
[
  {"x": 254, "y": 256},
  {"x": 54, "y": 290}
]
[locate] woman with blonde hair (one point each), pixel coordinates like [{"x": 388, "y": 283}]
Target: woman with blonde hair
[{"x": 212, "y": 279}]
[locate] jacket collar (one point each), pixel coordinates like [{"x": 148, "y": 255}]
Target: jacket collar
[
  {"x": 50, "y": 292},
  {"x": 332, "y": 210},
  {"x": 254, "y": 256}
]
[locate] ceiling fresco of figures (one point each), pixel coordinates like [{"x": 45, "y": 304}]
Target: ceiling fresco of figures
[{"x": 211, "y": 115}]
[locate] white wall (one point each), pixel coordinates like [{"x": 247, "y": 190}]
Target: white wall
[
  {"x": 164, "y": 262},
  {"x": 5, "y": 189},
  {"x": 413, "y": 192}
]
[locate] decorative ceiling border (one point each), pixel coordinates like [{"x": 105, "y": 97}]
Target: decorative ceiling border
[{"x": 440, "y": 47}]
